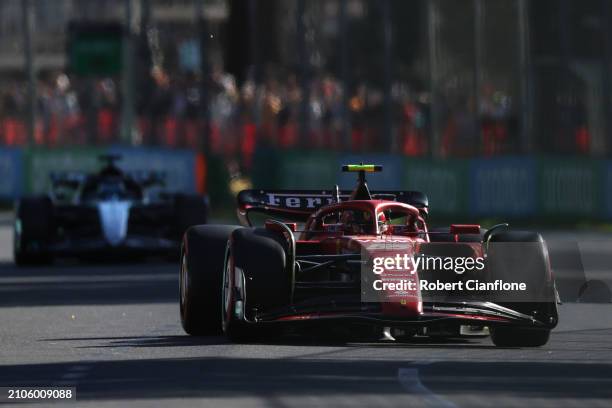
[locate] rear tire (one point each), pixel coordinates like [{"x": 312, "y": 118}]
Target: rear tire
[
  {"x": 202, "y": 259},
  {"x": 33, "y": 231},
  {"x": 519, "y": 337}
]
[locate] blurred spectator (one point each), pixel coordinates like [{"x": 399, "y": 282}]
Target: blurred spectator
[{"x": 170, "y": 112}]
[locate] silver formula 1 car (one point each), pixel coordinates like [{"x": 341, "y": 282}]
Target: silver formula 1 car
[{"x": 108, "y": 212}]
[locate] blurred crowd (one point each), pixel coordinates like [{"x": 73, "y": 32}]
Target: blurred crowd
[{"x": 168, "y": 111}]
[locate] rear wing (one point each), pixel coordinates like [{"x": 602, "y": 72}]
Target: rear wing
[
  {"x": 67, "y": 179},
  {"x": 148, "y": 178},
  {"x": 298, "y": 205},
  {"x": 73, "y": 179}
]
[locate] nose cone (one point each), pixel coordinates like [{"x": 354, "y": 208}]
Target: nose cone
[
  {"x": 114, "y": 220},
  {"x": 394, "y": 283}
]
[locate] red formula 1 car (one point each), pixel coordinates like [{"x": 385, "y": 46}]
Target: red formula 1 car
[{"x": 363, "y": 260}]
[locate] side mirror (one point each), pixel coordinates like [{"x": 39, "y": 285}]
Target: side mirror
[{"x": 490, "y": 231}]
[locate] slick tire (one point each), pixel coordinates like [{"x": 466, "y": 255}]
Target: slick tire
[
  {"x": 33, "y": 231},
  {"x": 260, "y": 257},
  {"x": 521, "y": 256},
  {"x": 524, "y": 259},
  {"x": 201, "y": 270}
]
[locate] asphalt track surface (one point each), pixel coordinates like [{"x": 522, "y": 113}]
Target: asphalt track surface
[{"x": 113, "y": 332}]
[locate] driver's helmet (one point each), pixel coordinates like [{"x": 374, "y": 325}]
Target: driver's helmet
[
  {"x": 412, "y": 225},
  {"x": 111, "y": 189},
  {"x": 383, "y": 226},
  {"x": 353, "y": 222}
]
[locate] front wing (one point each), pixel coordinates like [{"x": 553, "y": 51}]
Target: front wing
[{"x": 472, "y": 313}]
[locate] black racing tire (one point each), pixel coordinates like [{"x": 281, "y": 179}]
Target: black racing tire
[
  {"x": 507, "y": 250},
  {"x": 33, "y": 231},
  {"x": 190, "y": 210},
  {"x": 530, "y": 253},
  {"x": 261, "y": 255},
  {"x": 503, "y": 336},
  {"x": 202, "y": 260}
]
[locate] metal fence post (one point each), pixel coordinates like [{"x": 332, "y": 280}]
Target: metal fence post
[
  {"x": 304, "y": 72},
  {"x": 478, "y": 56},
  {"x": 253, "y": 73},
  {"x": 607, "y": 65},
  {"x": 204, "y": 141},
  {"x": 387, "y": 39},
  {"x": 344, "y": 75},
  {"x": 127, "y": 80},
  {"x": 526, "y": 144},
  {"x": 432, "y": 39},
  {"x": 27, "y": 23}
]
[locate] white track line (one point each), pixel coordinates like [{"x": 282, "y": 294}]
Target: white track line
[{"x": 410, "y": 381}]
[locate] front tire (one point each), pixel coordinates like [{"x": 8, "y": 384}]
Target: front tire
[
  {"x": 33, "y": 231},
  {"x": 234, "y": 327},
  {"x": 202, "y": 259},
  {"x": 522, "y": 256},
  {"x": 519, "y": 337},
  {"x": 258, "y": 258}
]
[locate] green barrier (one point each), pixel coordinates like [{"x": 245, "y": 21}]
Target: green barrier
[
  {"x": 217, "y": 183},
  {"x": 503, "y": 186},
  {"x": 307, "y": 170},
  {"x": 39, "y": 164},
  {"x": 265, "y": 171},
  {"x": 570, "y": 187},
  {"x": 466, "y": 189},
  {"x": 445, "y": 183}
]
